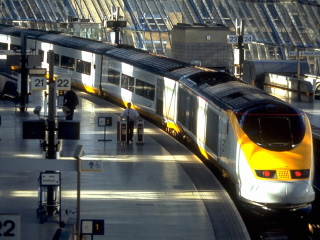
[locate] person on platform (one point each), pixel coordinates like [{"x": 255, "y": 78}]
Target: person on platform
[
  {"x": 130, "y": 115},
  {"x": 70, "y": 101}
]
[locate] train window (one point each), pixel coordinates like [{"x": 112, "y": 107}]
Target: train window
[
  {"x": 183, "y": 103},
  {"x": 145, "y": 89},
  {"x": 113, "y": 77},
  {"x": 3, "y": 46},
  {"x": 67, "y": 62},
  {"x": 41, "y": 53},
  {"x": 275, "y": 130},
  {"x": 13, "y": 47},
  {"x": 56, "y": 59},
  {"x": 127, "y": 82},
  {"x": 83, "y": 67},
  {"x": 317, "y": 92}
]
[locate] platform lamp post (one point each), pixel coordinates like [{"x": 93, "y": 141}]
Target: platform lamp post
[
  {"x": 240, "y": 46},
  {"x": 51, "y": 110},
  {"x": 51, "y": 154},
  {"x": 116, "y": 24},
  {"x": 239, "y": 52},
  {"x": 24, "y": 73}
]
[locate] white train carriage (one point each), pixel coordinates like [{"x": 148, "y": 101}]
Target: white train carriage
[
  {"x": 77, "y": 58},
  {"x": 10, "y": 38},
  {"x": 147, "y": 80}
]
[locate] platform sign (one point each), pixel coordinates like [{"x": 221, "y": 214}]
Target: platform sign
[
  {"x": 105, "y": 121},
  {"x": 37, "y": 71},
  {"x": 310, "y": 53},
  {"x": 247, "y": 38},
  {"x": 92, "y": 226},
  {"x": 63, "y": 83},
  {"x": 232, "y": 39},
  {"x": 10, "y": 227},
  {"x": 305, "y": 53},
  {"x": 50, "y": 179},
  {"x": 293, "y": 53},
  {"x": 91, "y": 165},
  {"x": 38, "y": 83}
]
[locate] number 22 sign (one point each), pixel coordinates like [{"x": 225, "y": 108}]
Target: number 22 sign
[
  {"x": 9, "y": 227},
  {"x": 63, "y": 83}
]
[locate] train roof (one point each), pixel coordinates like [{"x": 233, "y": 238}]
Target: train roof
[
  {"x": 160, "y": 65},
  {"x": 16, "y": 31},
  {"x": 77, "y": 43},
  {"x": 228, "y": 93},
  {"x": 237, "y": 94},
  {"x": 157, "y": 64}
]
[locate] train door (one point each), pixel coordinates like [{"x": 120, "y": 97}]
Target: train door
[
  {"x": 159, "y": 96},
  {"x": 170, "y": 99},
  {"x": 200, "y": 123},
  {"x": 223, "y": 141}
]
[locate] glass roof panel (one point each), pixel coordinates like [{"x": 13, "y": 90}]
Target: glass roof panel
[{"x": 277, "y": 26}]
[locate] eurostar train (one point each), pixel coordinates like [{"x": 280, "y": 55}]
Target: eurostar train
[{"x": 261, "y": 143}]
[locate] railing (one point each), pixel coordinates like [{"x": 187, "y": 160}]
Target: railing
[{"x": 303, "y": 89}]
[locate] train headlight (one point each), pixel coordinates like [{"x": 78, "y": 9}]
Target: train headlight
[
  {"x": 297, "y": 174},
  {"x": 266, "y": 173}
]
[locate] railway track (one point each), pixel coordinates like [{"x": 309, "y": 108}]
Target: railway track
[{"x": 277, "y": 227}]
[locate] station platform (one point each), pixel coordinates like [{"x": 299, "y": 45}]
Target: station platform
[
  {"x": 156, "y": 190},
  {"x": 312, "y": 109}
]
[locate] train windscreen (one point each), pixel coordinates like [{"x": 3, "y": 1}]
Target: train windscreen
[
  {"x": 275, "y": 131},
  {"x": 273, "y": 127}
]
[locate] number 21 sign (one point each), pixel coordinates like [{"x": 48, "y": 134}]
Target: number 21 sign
[
  {"x": 9, "y": 227},
  {"x": 38, "y": 83}
]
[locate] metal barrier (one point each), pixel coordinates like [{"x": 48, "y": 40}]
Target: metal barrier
[{"x": 290, "y": 87}]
